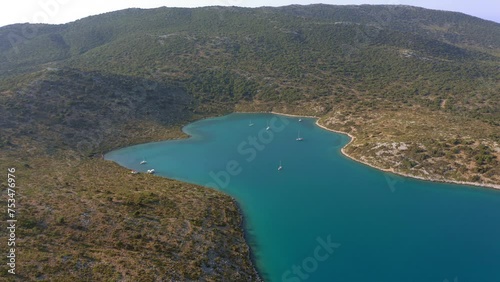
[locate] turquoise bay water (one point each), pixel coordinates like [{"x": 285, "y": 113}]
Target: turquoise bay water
[{"x": 324, "y": 217}]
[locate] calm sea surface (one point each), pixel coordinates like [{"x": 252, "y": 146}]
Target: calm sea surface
[{"x": 324, "y": 217}]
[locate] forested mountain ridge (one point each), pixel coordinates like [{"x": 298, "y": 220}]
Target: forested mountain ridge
[
  {"x": 300, "y": 51},
  {"x": 418, "y": 88}
]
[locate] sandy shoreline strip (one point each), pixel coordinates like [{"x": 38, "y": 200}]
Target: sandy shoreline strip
[{"x": 391, "y": 170}]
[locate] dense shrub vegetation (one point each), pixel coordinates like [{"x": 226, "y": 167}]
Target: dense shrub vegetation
[{"x": 419, "y": 89}]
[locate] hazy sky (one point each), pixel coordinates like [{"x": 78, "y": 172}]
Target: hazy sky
[{"x": 62, "y": 11}]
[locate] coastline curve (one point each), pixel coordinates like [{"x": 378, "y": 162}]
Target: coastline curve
[{"x": 391, "y": 170}]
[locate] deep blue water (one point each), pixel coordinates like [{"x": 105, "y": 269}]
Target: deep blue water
[{"x": 324, "y": 217}]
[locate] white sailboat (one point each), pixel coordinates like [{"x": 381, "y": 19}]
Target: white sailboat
[
  {"x": 143, "y": 161},
  {"x": 298, "y": 137},
  {"x": 300, "y": 120},
  {"x": 280, "y": 167}
]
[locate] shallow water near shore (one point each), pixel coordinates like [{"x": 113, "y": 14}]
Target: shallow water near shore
[{"x": 323, "y": 216}]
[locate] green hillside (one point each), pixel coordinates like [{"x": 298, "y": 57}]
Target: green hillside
[
  {"x": 418, "y": 88},
  {"x": 397, "y": 53}
]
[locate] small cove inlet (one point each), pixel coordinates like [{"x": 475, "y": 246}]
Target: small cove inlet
[{"x": 324, "y": 217}]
